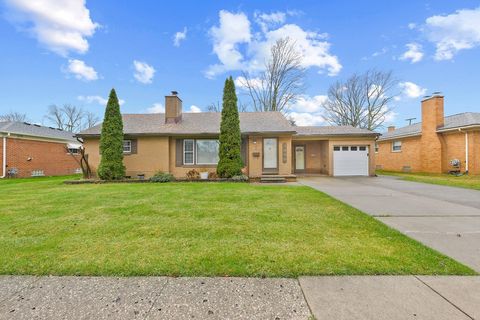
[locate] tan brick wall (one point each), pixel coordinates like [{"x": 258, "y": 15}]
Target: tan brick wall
[
  {"x": 410, "y": 156},
  {"x": 452, "y": 147},
  {"x": 475, "y": 154},
  {"x": 51, "y": 157},
  {"x": 255, "y": 163},
  {"x": 152, "y": 156},
  {"x": 1, "y": 158}
]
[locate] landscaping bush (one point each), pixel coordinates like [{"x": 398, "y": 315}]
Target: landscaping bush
[
  {"x": 162, "y": 177},
  {"x": 240, "y": 178},
  {"x": 193, "y": 175}
]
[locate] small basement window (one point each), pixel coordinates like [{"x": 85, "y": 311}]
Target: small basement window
[
  {"x": 73, "y": 150},
  {"x": 397, "y": 146},
  {"x": 38, "y": 173},
  {"x": 127, "y": 146}
]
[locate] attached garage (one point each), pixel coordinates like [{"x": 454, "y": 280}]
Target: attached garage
[{"x": 350, "y": 160}]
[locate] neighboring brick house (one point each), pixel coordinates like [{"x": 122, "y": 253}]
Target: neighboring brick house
[
  {"x": 178, "y": 142},
  {"x": 431, "y": 145},
  {"x": 28, "y": 150}
]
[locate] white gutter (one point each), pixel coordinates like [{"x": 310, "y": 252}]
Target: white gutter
[
  {"x": 472, "y": 126},
  {"x": 4, "y": 156},
  {"x": 466, "y": 149}
]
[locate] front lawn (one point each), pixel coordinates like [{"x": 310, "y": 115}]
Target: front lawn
[
  {"x": 197, "y": 229},
  {"x": 466, "y": 181}
]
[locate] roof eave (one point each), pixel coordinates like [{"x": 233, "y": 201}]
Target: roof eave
[
  {"x": 416, "y": 134},
  {"x": 337, "y": 135},
  {"x": 86, "y": 135}
]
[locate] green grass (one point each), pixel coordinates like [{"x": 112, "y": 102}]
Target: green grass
[
  {"x": 466, "y": 181},
  {"x": 197, "y": 229}
]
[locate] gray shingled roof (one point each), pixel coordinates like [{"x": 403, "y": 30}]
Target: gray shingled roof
[
  {"x": 34, "y": 130},
  {"x": 451, "y": 122},
  {"x": 198, "y": 123},
  {"x": 331, "y": 131}
]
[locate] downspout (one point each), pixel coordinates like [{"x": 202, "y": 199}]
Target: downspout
[
  {"x": 466, "y": 149},
  {"x": 4, "y": 156}
]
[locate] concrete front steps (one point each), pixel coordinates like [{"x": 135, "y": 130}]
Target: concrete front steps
[{"x": 275, "y": 178}]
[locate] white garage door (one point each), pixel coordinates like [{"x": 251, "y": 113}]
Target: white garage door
[{"x": 350, "y": 160}]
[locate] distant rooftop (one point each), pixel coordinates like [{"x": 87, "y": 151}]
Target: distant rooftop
[
  {"x": 35, "y": 130},
  {"x": 331, "y": 131},
  {"x": 451, "y": 122}
]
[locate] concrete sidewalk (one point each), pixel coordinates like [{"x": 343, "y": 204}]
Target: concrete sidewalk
[
  {"x": 150, "y": 298},
  {"x": 343, "y": 297}
]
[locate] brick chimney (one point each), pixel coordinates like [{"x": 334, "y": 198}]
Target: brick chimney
[
  {"x": 432, "y": 112},
  {"x": 173, "y": 108},
  {"x": 391, "y": 128},
  {"x": 432, "y": 118}
]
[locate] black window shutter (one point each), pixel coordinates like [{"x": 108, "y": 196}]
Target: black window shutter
[
  {"x": 179, "y": 152},
  {"x": 134, "y": 147},
  {"x": 243, "y": 150}
]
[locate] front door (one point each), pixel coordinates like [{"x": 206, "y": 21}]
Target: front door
[
  {"x": 299, "y": 158},
  {"x": 270, "y": 155}
]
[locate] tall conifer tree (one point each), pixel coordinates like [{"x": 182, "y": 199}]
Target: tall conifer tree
[
  {"x": 111, "y": 141},
  {"x": 230, "y": 160}
]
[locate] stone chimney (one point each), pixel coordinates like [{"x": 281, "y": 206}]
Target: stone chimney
[
  {"x": 431, "y": 144},
  {"x": 173, "y": 108},
  {"x": 391, "y": 128}
]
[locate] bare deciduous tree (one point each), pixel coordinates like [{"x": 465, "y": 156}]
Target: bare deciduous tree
[
  {"x": 217, "y": 107},
  {"x": 282, "y": 81},
  {"x": 361, "y": 101},
  {"x": 14, "y": 116},
  {"x": 71, "y": 118},
  {"x": 91, "y": 119}
]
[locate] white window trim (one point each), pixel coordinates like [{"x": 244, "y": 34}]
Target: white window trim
[
  {"x": 193, "y": 152},
  {"x": 195, "y": 148},
  {"x": 129, "y": 145},
  {"x": 376, "y": 147},
  {"x": 393, "y": 143}
]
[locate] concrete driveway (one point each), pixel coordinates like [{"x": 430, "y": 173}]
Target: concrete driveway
[{"x": 444, "y": 218}]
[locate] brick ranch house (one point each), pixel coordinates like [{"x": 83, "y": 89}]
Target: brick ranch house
[
  {"x": 28, "y": 150},
  {"x": 178, "y": 142},
  {"x": 429, "y": 146}
]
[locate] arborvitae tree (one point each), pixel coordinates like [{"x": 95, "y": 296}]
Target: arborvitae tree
[
  {"x": 111, "y": 141},
  {"x": 230, "y": 163}
]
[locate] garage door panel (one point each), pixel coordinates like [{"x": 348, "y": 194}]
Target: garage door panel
[{"x": 350, "y": 161}]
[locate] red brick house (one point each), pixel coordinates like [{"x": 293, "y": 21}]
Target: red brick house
[
  {"x": 29, "y": 150},
  {"x": 434, "y": 144}
]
